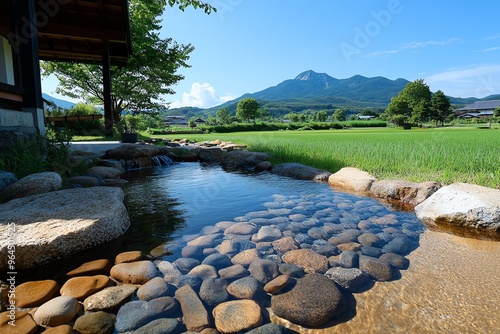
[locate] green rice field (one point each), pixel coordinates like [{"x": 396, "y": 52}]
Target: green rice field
[{"x": 445, "y": 155}]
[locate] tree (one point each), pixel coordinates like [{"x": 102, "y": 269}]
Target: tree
[
  {"x": 223, "y": 116},
  {"x": 339, "y": 115},
  {"x": 150, "y": 72},
  {"x": 321, "y": 116},
  {"x": 496, "y": 112},
  {"x": 412, "y": 103},
  {"x": 247, "y": 109},
  {"x": 440, "y": 107}
]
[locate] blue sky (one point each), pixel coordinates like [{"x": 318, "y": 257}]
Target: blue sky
[{"x": 249, "y": 45}]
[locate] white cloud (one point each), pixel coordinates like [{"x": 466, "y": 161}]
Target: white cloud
[
  {"x": 412, "y": 46},
  {"x": 490, "y": 49},
  {"x": 201, "y": 95},
  {"x": 492, "y": 37},
  {"x": 472, "y": 81}
]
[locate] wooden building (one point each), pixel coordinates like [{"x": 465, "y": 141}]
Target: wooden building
[
  {"x": 478, "y": 109},
  {"x": 93, "y": 31}
]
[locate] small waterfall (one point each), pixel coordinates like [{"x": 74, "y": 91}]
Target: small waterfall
[
  {"x": 156, "y": 161},
  {"x": 165, "y": 161}
]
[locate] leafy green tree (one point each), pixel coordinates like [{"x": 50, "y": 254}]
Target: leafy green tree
[
  {"x": 191, "y": 122},
  {"x": 293, "y": 117},
  {"x": 150, "y": 72},
  {"x": 496, "y": 112},
  {"x": 339, "y": 115},
  {"x": 440, "y": 107},
  {"x": 412, "y": 105},
  {"x": 301, "y": 118},
  {"x": 223, "y": 116},
  {"x": 247, "y": 109}
]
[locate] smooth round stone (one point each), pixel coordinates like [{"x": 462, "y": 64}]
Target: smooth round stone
[
  {"x": 61, "y": 329},
  {"x": 109, "y": 298},
  {"x": 241, "y": 229},
  {"x": 209, "y": 230},
  {"x": 234, "y": 246},
  {"x": 291, "y": 270},
  {"x": 371, "y": 251},
  {"x": 236, "y": 316},
  {"x": 307, "y": 259},
  {"x": 265, "y": 248},
  {"x": 224, "y": 224},
  {"x": 350, "y": 259},
  {"x": 234, "y": 272},
  {"x": 195, "y": 316},
  {"x": 213, "y": 291},
  {"x": 395, "y": 260},
  {"x": 191, "y": 280},
  {"x": 135, "y": 272},
  {"x": 317, "y": 233},
  {"x": 267, "y": 233},
  {"x": 312, "y": 302},
  {"x": 159, "y": 326},
  {"x": 204, "y": 241},
  {"x": 302, "y": 238},
  {"x": 204, "y": 271},
  {"x": 190, "y": 251},
  {"x": 57, "y": 311},
  {"x": 279, "y": 220},
  {"x": 35, "y": 293},
  {"x": 269, "y": 329},
  {"x": 246, "y": 257},
  {"x": 185, "y": 264},
  {"x": 326, "y": 249},
  {"x": 218, "y": 261},
  {"x": 154, "y": 288},
  {"x": 133, "y": 315},
  {"x": 352, "y": 279},
  {"x": 259, "y": 221},
  {"x": 401, "y": 246},
  {"x": 81, "y": 287},
  {"x": 275, "y": 285},
  {"x": 95, "y": 323},
  {"x": 264, "y": 270},
  {"x": 370, "y": 240},
  {"x": 170, "y": 272},
  {"x": 297, "y": 217},
  {"x": 349, "y": 246},
  {"x": 209, "y": 251},
  {"x": 24, "y": 323},
  {"x": 375, "y": 268},
  {"x": 285, "y": 244},
  {"x": 258, "y": 214},
  {"x": 130, "y": 256},
  {"x": 246, "y": 288},
  {"x": 96, "y": 267}
]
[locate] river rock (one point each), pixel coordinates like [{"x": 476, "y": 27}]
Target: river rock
[
  {"x": 6, "y": 179},
  {"x": 134, "y": 272},
  {"x": 154, "y": 288},
  {"x": 241, "y": 229},
  {"x": 204, "y": 271},
  {"x": 269, "y": 329},
  {"x": 351, "y": 178},
  {"x": 185, "y": 264},
  {"x": 195, "y": 316},
  {"x": 191, "y": 251},
  {"x": 58, "y": 224},
  {"x": 130, "y": 256},
  {"x": 135, "y": 151},
  {"x": 109, "y": 298},
  {"x": 95, "y": 323},
  {"x": 375, "y": 268},
  {"x": 291, "y": 270},
  {"x": 233, "y": 246},
  {"x": 118, "y": 164},
  {"x": 105, "y": 172},
  {"x": 307, "y": 259},
  {"x": 264, "y": 270},
  {"x": 85, "y": 181},
  {"x": 61, "y": 329},
  {"x": 211, "y": 155},
  {"x": 275, "y": 285},
  {"x": 159, "y": 326},
  {"x": 233, "y": 272},
  {"x": 403, "y": 191},
  {"x": 171, "y": 273},
  {"x": 35, "y": 293},
  {"x": 263, "y": 166},
  {"x": 33, "y": 184},
  {"x": 218, "y": 261},
  {"x": 24, "y": 323},
  {"x": 83, "y": 286},
  {"x": 236, "y": 316},
  {"x": 312, "y": 302},
  {"x": 301, "y": 172},
  {"x": 91, "y": 268},
  {"x": 284, "y": 245},
  {"x": 395, "y": 260},
  {"x": 246, "y": 288},
  {"x": 191, "y": 280},
  {"x": 213, "y": 291},
  {"x": 462, "y": 204},
  {"x": 57, "y": 311},
  {"x": 203, "y": 241},
  {"x": 239, "y": 160},
  {"x": 135, "y": 314},
  {"x": 267, "y": 233},
  {"x": 246, "y": 257},
  {"x": 352, "y": 279}
]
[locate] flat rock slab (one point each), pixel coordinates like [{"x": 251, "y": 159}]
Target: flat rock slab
[
  {"x": 132, "y": 151},
  {"x": 462, "y": 204},
  {"x": 404, "y": 191},
  {"x": 350, "y": 178},
  {"x": 55, "y": 225},
  {"x": 301, "y": 172}
]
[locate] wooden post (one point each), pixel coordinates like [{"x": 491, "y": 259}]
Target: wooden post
[{"x": 106, "y": 75}]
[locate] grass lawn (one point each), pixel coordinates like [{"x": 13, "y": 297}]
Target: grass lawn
[{"x": 445, "y": 155}]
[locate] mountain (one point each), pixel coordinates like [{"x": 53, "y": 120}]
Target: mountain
[{"x": 60, "y": 103}]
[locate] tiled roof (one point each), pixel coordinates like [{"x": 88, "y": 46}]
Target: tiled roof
[{"x": 481, "y": 105}]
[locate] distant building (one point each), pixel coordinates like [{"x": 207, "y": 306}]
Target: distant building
[
  {"x": 366, "y": 118},
  {"x": 180, "y": 121},
  {"x": 478, "y": 109},
  {"x": 199, "y": 121}
]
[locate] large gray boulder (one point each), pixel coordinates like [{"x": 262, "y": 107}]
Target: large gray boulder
[
  {"x": 244, "y": 161},
  {"x": 462, "y": 204},
  {"x": 34, "y": 184},
  {"x": 6, "y": 179},
  {"x": 301, "y": 172},
  {"x": 353, "y": 179},
  {"x": 56, "y": 225},
  {"x": 404, "y": 192}
]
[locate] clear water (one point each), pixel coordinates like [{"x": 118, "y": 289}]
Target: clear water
[{"x": 167, "y": 204}]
